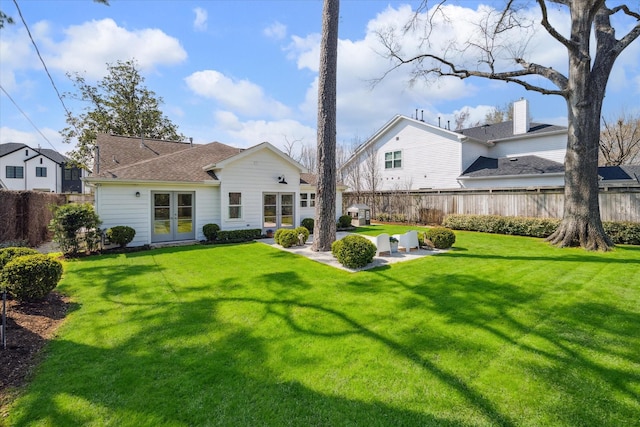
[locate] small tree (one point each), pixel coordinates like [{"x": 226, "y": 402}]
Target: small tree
[
  {"x": 75, "y": 226},
  {"x": 620, "y": 140}
]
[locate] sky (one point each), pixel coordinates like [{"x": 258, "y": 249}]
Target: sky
[{"x": 242, "y": 72}]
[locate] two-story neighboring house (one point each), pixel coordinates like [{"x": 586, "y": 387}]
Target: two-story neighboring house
[
  {"x": 409, "y": 154},
  {"x": 42, "y": 169}
]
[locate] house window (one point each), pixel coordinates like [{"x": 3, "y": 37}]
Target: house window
[
  {"x": 307, "y": 200},
  {"x": 41, "y": 172},
  {"x": 15, "y": 172},
  {"x": 393, "y": 160},
  {"x": 235, "y": 205}
]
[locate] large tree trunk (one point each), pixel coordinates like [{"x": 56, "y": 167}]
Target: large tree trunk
[
  {"x": 581, "y": 224},
  {"x": 324, "y": 232}
]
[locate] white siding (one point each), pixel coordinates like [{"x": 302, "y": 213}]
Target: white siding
[
  {"x": 252, "y": 176},
  {"x": 471, "y": 151},
  {"x": 552, "y": 147},
  {"x": 510, "y": 182},
  {"x": 117, "y": 204},
  {"x": 24, "y": 158}
]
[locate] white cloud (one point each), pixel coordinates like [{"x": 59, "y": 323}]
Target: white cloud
[
  {"x": 200, "y": 21},
  {"x": 252, "y": 132},
  {"x": 276, "y": 31},
  {"x": 89, "y": 46},
  {"x": 240, "y": 96}
]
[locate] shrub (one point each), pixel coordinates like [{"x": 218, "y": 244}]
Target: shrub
[
  {"x": 210, "y": 231},
  {"x": 441, "y": 237},
  {"x": 276, "y": 235},
  {"x": 237, "y": 236},
  {"x": 31, "y": 277},
  {"x": 121, "y": 235},
  {"x": 353, "y": 251},
  {"x": 344, "y": 221},
  {"x": 288, "y": 237},
  {"x": 75, "y": 227},
  {"x": 305, "y": 233},
  {"x": 627, "y": 233},
  {"x": 7, "y": 254},
  {"x": 308, "y": 223}
]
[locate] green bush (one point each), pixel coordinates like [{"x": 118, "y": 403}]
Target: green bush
[
  {"x": 276, "y": 235},
  {"x": 305, "y": 233},
  {"x": 75, "y": 227},
  {"x": 626, "y": 233},
  {"x": 308, "y": 223},
  {"x": 237, "y": 236},
  {"x": 121, "y": 235},
  {"x": 7, "y": 254},
  {"x": 210, "y": 231},
  {"x": 288, "y": 237},
  {"x": 344, "y": 221},
  {"x": 353, "y": 251},
  {"x": 442, "y": 238},
  {"x": 31, "y": 277}
]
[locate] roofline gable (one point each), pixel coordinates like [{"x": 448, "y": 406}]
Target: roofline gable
[{"x": 251, "y": 150}]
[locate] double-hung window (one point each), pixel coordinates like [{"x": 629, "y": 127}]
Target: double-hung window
[
  {"x": 15, "y": 172},
  {"x": 235, "y": 205},
  {"x": 41, "y": 171},
  {"x": 393, "y": 160},
  {"x": 307, "y": 200}
]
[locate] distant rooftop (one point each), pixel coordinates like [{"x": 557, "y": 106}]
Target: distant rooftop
[{"x": 505, "y": 130}]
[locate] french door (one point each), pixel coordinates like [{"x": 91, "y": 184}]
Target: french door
[
  {"x": 172, "y": 216},
  {"x": 278, "y": 210}
]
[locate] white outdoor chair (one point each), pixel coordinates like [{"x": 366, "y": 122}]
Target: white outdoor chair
[
  {"x": 382, "y": 244},
  {"x": 408, "y": 240}
]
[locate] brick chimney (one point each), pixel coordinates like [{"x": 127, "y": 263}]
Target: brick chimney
[{"x": 520, "y": 117}]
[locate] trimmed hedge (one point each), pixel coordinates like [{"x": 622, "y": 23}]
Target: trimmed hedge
[
  {"x": 236, "y": 236},
  {"x": 121, "y": 235},
  {"x": 210, "y": 231},
  {"x": 353, "y": 251},
  {"x": 31, "y": 277},
  {"x": 442, "y": 238},
  {"x": 620, "y": 232},
  {"x": 7, "y": 254}
]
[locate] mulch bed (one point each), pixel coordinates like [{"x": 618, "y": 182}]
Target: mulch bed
[{"x": 29, "y": 326}]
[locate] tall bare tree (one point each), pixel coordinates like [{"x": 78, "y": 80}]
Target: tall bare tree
[
  {"x": 583, "y": 87},
  {"x": 324, "y": 232},
  {"x": 620, "y": 140}
]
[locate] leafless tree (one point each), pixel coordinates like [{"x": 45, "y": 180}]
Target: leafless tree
[
  {"x": 620, "y": 140},
  {"x": 324, "y": 232},
  {"x": 499, "y": 114},
  {"x": 493, "y": 46},
  {"x": 372, "y": 176}
]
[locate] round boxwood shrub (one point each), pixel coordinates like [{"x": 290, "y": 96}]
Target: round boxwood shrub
[
  {"x": 31, "y": 277},
  {"x": 121, "y": 235},
  {"x": 305, "y": 233},
  {"x": 353, "y": 251},
  {"x": 210, "y": 231},
  {"x": 287, "y": 237},
  {"x": 442, "y": 238},
  {"x": 308, "y": 223},
  {"x": 276, "y": 235},
  {"x": 7, "y": 254},
  {"x": 344, "y": 221}
]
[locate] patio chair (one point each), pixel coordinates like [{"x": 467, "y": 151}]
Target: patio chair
[
  {"x": 382, "y": 244},
  {"x": 408, "y": 240}
]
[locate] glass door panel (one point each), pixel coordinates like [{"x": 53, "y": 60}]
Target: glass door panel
[
  {"x": 269, "y": 211},
  {"x": 172, "y": 216}
]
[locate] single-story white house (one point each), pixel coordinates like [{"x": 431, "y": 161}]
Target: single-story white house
[{"x": 167, "y": 191}]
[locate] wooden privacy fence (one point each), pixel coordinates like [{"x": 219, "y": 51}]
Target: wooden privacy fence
[
  {"x": 431, "y": 206},
  {"x": 25, "y": 215}
]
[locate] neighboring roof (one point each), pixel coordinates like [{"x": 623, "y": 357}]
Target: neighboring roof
[
  {"x": 53, "y": 155},
  {"x": 116, "y": 151},
  {"x": 619, "y": 173},
  {"x": 10, "y": 147},
  {"x": 186, "y": 165},
  {"x": 509, "y": 166},
  {"x": 309, "y": 178},
  {"x": 504, "y": 130}
]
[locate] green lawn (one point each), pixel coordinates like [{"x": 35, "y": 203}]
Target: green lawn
[{"x": 499, "y": 331}]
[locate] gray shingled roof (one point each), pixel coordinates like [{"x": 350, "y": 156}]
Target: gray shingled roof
[
  {"x": 117, "y": 151},
  {"x": 618, "y": 173},
  {"x": 185, "y": 165},
  {"x": 522, "y": 165},
  {"x": 10, "y": 147},
  {"x": 505, "y": 130}
]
